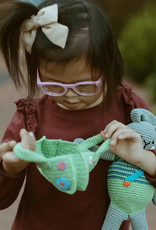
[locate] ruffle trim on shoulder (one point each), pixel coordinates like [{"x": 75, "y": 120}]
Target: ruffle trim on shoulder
[
  {"x": 29, "y": 108},
  {"x": 127, "y": 95}
]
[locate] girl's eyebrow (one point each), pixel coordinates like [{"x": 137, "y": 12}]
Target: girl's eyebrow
[
  {"x": 54, "y": 80},
  {"x": 47, "y": 78}
]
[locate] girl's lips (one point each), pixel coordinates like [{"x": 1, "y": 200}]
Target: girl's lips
[{"x": 72, "y": 104}]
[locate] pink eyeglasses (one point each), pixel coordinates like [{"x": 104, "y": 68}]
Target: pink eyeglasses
[{"x": 56, "y": 89}]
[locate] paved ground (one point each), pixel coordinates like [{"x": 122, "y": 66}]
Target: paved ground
[{"x": 8, "y": 94}]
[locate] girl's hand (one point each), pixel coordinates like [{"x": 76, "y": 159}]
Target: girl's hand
[
  {"x": 125, "y": 142},
  {"x": 11, "y": 164}
]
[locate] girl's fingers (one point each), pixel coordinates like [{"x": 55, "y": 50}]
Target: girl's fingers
[
  {"x": 10, "y": 157},
  {"x": 123, "y": 134},
  {"x": 32, "y": 136},
  {"x": 118, "y": 131},
  {"x": 24, "y": 139},
  {"x": 12, "y": 164},
  {"x": 131, "y": 134},
  {"x": 5, "y": 147},
  {"x": 27, "y": 140},
  {"x": 111, "y": 128}
]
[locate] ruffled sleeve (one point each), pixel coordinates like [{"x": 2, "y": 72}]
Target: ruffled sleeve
[
  {"x": 131, "y": 99},
  {"x": 24, "y": 117},
  {"x": 127, "y": 95},
  {"x": 28, "y": 108}
]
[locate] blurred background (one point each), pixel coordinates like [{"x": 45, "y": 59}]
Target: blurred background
[{"x": 134, "y": 25}]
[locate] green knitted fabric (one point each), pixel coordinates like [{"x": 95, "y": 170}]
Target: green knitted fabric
[
  {"x": 63, "y": 163},
  {"x": 123, "y": 196}
]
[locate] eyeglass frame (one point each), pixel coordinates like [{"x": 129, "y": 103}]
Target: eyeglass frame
[{"x": 40, "y": 84}]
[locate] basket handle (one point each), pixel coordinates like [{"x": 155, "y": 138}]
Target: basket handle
[
  {"x": 92, "y": 141},
  {"x": 104, "y": 147},
  {"x": 31, "y": 156}
]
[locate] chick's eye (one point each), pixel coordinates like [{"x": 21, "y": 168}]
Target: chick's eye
[{"x": 152, "y": 142}]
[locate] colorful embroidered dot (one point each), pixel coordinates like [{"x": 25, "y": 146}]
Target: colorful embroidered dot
[
  {"x": 61, "y": 165},
  {"x": 90, "y": 160},
  {"x": 126, "y": 183},
  {"x": 63, "y": 183}
]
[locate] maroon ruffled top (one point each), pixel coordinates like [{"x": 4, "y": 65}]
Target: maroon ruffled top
[{"x": 42, "y": 206}]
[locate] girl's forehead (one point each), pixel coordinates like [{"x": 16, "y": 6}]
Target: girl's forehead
[
  {"x": 77, "y": 69},
  {"x": 79, "y": 65}
]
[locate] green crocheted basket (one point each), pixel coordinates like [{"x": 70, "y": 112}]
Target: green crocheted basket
[{"x": 63, "y": 163}]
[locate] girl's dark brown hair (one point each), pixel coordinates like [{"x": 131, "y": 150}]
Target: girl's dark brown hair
[{"x": 90, "y": 35}]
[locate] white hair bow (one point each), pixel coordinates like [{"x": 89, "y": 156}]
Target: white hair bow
[{"x": 46, "y": 19}]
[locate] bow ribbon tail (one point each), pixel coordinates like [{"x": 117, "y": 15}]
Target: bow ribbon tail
[{"x": 28, "y": 39}]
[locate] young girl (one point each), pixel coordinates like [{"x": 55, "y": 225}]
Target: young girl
[{"x": 72, "y": 56}]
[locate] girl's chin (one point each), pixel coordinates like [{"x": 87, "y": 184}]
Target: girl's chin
[
  {"x": 75, "y": 105},
  {"x": 72, "y": 106}
]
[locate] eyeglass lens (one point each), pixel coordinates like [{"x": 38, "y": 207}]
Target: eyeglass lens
[{"x": 86, "y": 88}]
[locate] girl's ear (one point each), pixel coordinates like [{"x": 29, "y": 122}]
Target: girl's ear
[{"x": 138, "y": 115}]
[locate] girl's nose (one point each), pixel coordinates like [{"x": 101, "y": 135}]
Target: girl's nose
[{"x": 70, "y": 93}]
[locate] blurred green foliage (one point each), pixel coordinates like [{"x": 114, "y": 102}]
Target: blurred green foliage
[
  {"x": 134, "y": 24},
  {"x": 138, "y": 46},
  {"x": 119, "y": 11}
]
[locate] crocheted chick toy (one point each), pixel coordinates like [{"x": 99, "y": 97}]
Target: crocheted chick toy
[
  {"x": 128, "y": 188},
  {"x": 63, "y": 163}
]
